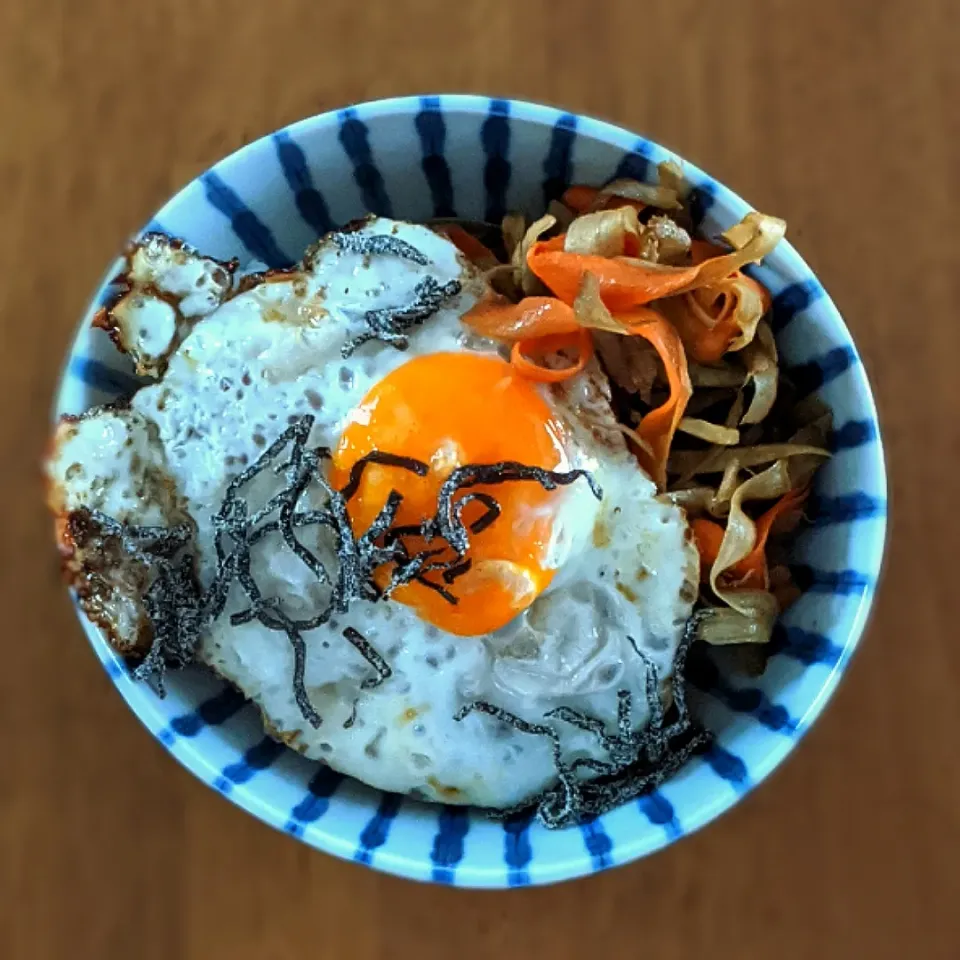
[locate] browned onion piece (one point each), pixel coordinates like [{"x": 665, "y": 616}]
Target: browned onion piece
[
  {"x": 757, "y": 609},
  {"x": 684, "y": 462},
  {"x": 602, "y": 234},
  {"x": 711, "y": 432},
  {"x": 760, "y": 358},
  {"x": 653, "y": 195},
  {"x": 528, "y": 281}
]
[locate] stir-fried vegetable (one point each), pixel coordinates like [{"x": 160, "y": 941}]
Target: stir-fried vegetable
[
  {"x": 476, "y": 252},
  {"x": 751, "y": 570},
  {"x": 657, "y": 427},
  {"x": 497, "y": 317},
  {"x": 683, "y": 335},
  {"x": 587, "y": 199},
  {"x": 553, "y": 344},
  {"x": 750, "y": 609},
  {"x": 624, "y": 282},
  {"x": 607, "y": 233},
  {"x": 718, "y": 318}
]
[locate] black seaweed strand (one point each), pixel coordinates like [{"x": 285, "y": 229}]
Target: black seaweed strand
[
  {"x": 379, "y": 244},
  {"x": 457, "y": 571},
  {"x": 448, "y": 522},
  {"x": 438, "y": 588},
  {"x": 391, "y": 325},
  {"x": 418, "y": 467},
  {"x": 487, "y": 518},
  {"x": 638, "y": 761},
  {"x": 371, "y": 655},
  {"x": 178, "y": 610},
  {"x": 172, "y": 601}
]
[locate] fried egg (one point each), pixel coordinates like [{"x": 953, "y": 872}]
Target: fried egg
[{"x": 568, "y": 598}]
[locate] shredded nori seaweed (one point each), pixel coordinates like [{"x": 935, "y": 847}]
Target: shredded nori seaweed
[
  {"x": 178, "y": 610},
  {"x": 493, "y": 511},
  {"x": 438, "y": 588},
  {"x": 458, "y": 571},
  {"x": 172, "y": 601},
  {"x": 392, "y": 324},
  {"x": 370, "y": 654},
  {"x": 358, "y": 556},
  {"x": 352, "y": 719},
  {"x": 418, "y": 467},
  {"x": 448, "y": 524},
  {"x": 639, "y": 760},
  {"x": 380, "y": 243}
]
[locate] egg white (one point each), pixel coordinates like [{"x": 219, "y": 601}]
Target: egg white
[{"x": 625, "y": 566}]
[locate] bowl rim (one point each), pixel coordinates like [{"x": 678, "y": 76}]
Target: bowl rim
[{"x": 547, "y": 871}]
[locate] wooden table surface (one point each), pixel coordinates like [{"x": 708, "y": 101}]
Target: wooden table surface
[{"x": 839, "y": 115}]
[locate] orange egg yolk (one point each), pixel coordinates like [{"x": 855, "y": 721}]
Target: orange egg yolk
[{"x": 448, "y": 410}]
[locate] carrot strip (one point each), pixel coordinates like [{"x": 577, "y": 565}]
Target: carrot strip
[
  {"x": 658, "y": 426},
  {"x": 583, "y": 199},
  {"x": 525, "y": 367},
  {"x": 580, "y": 198},
  {"x": 753, "y": 567},
  {"x": 495, "y": 316},
  {"x": 751, "y": 571},
  {"x": 624, "y": 284},
  {"x": 706, "y": 318},
  {"x": 531, "y": 320},
  {"x": 476, "y": 252},
  {"x": 554, "y": 243},
  {"x": 707, "y": 337},
  {"x": 708, "y": 535}
]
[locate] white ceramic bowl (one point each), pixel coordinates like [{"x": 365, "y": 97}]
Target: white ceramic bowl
[{"x": 474, "y": 157}]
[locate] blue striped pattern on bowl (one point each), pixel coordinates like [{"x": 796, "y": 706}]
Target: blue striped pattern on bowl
[{"x": 475, "y": 157}]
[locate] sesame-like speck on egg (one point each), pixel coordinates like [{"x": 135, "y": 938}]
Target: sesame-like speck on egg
[{"x": 562, "y": 589}]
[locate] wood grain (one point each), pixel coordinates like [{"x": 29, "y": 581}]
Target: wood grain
[{"x": 841, "y": 117}]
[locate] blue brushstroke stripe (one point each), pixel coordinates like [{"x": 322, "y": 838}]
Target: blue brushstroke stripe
[
  {"x": 154, "y": 226},
  {"x": 517, "y": 851},
  {"x": 805, "y": 646},
  {"x": 847, "y": 508},
  {"x": 310, "y": 202},
  {"x": 108, "y": 295},
  {"x": 103, "y": 378},
  {"x": 355, "y": 139},
  {"x": 260, "y": 756},
  {"x": 840, "y": 582},
  {"x": 598, "y": 844},
  {"x": 635, "y": 165},
  {"x": 852, "y": 434},
  {"x": 791, "y": 301},
  {"x": 114, "y": 667},
  {"x": 375, "y": 833},
  {"x": 704, "y": 674},
  {"x": 702, "y": 198},
  {"x": 558, "y": 165},
  {"x": 659, "y": 811},
  {"x": 252, "y": 232},
  {"x": 728, "y": 766},
  {"x": 811, "y": 376},
  {"x": 447, "y": 850},
  {"x": 495, "y": 141},
  {"x": 432, "y": 130},
  {"x": 322, "y": 786},
  {"x": 212, "y": 712}
]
